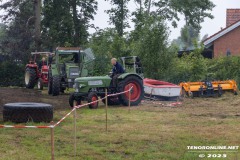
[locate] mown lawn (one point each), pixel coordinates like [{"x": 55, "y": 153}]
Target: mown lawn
[{"x": 149, "y": 131}]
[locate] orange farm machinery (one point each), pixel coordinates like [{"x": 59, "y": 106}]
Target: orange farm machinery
[{"x": 208, "y": 88}]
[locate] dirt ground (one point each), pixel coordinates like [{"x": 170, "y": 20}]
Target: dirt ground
[
  {"x": 223, "y": 107},
  {"x": 150, "y": 130},
  {"x": 11, "y": 95}
]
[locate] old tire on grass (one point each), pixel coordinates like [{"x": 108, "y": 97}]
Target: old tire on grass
[
  {"x": 74, "y": 100},
  {"x": 27, "y": 112},
  {"x": 92, "y": 96},
  {"x": 55, "y": 85},
  {"x": 137, "y": 92},
  {"x": 40, "y": 84},
  {"x": 30, "y": 78},
  {"x": 49, "y": 82}
]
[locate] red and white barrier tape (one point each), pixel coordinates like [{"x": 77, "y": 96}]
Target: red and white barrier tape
[
  {"x": 56, "y": 124},
  {"x": 20, "y": 126}
]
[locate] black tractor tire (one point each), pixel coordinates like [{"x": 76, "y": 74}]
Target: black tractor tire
[
  {"x": 55, "y": 85},
  {"x": 74, "y": 101},
  {"x": 112, "y": 101},
  {"x": 137, "y": 93},
  {"x": 49, "y": 82},
  {"x": 27, "y": 112},
  {"x": 30, "y": 77},
  {"x": 92, "y": 96},
  {"x": 40, "y": 84}
]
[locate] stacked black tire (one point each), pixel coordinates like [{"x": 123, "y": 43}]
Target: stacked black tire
[{"x": 27, "y": 112}]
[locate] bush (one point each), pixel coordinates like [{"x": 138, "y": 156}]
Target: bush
[{"x": 12, "y": 74}]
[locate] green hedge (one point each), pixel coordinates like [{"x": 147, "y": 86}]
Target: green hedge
[{"x": 12, "y": 74}]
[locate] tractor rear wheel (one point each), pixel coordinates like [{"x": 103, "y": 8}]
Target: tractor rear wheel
[
  {"x": 55, "y": 85},
  {"x": 136, "y": 94},
  {"x": 40, "y": 84},
  {"x": 30, "y": 78},
  {"x": 73, "y": 101},
  {"x": 49, "y": 82},
  {"x": 92, "y": 96}
]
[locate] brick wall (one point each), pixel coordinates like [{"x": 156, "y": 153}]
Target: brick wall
[
  {"x": 229, "y": 41},
  {"x": 233, "y": 15}
]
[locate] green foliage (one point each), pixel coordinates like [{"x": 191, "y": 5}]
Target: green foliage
[
  {"x": 118, "y": 15},
  {"x": 18, "y": 39},
  {"x": 194, "y": 11},
  {"x": 63, "y": 23},
  {"x": 191, "y": 67},
  {"x": 152, "y": 48},
  {"x": 107, "y": 44},
  {"x": 12, "y": 74}
]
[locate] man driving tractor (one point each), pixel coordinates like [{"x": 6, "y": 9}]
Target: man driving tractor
[
  {"x": 116, "y": 71},
  {"x": 42, "y": 63}
]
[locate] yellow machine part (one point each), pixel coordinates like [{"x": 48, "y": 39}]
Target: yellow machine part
[{"x": 228, "y": 85}]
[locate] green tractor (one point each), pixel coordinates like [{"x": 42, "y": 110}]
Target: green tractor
[
  {"x": 67, "y": 64},
  {"x": 90, "y": 88}
]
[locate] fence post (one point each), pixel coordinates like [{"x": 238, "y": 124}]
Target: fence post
[
  {"x": 52, "y": 140},
  {"x": 129, "y": 100},
  {"x": 75, "y": 131},
  {"x": 106, "y": 108}
]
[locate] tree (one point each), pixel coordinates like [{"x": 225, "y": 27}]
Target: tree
[
  {"x": 118, "y": 15},
  {"x": 194, "y": 11},
  {"x": 189, "y": 36},
  {"x": 18, "y": 42},
  {"x": 66, "y": 22},
  {"x": 152, "y": 49}
]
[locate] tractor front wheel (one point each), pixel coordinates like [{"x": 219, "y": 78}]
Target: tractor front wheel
[
  {"x": 55, "y": 85},
  {"x": 136, "y": 94},
  {"x": 30, "y": 78},
  {"x": 73, "y": 101},
  {"x": 92, "y": 96}
]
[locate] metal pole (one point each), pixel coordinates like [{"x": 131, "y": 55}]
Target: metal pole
[
  {"x": 52, "y": 141},
  {"x": 106, "y": 108},
  {"x": 75, "y": 132}
]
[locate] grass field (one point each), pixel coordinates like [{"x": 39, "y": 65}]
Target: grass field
[{"x": 148, "y": 131}]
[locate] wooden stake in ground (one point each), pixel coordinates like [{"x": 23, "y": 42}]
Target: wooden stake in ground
[
  {"x": 52, "y": 141},
  {"x": 75, "y": 131},
  {"x": 106, "y": 108},
  {"x": 129, "y": 100}
]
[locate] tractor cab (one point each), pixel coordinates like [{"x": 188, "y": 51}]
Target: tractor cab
[
  {"x": 132, "y": 64},
  {"x": 68, "y": 64}
]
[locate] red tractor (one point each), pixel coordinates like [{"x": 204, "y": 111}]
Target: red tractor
[{"x": 37, "y": 70}]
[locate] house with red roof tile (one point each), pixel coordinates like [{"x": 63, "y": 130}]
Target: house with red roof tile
[{"x": 227, "y": 40}]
